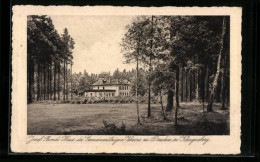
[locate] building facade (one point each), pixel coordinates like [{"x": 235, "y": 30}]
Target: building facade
[{"x": 107, "y": 87}]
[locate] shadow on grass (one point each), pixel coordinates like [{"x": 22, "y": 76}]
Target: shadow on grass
[{"x": 199, "y": 128}]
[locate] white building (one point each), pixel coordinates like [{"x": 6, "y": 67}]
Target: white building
[{"x": 106, "y": 87}]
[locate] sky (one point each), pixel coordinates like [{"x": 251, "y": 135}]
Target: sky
[{"x": 97, "y": 41}]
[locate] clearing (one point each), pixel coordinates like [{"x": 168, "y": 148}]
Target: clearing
[{"x": 87, "y": 119}]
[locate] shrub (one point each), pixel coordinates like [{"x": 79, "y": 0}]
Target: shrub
[
  {"x": 111, "y": 100},
  {"x": 65, "y": 101},
  {"x": 122, "y": 100},
  {"x": 84, "y": 101},
  {"x": 132, "y": 101}
]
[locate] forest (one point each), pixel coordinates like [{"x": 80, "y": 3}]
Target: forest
[
  {"x": 49, "y": 56},
  {"x": 185, "y": 58}
]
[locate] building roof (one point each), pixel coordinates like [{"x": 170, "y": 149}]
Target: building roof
[{"x": 109, "y": 81}]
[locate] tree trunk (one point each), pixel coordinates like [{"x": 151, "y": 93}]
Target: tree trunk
[
  {"x": 136, "y": 92},
  {"x": 197, "y": 85},
  {"x": 223, "y": 92},
  {"x": 190, "y": 86},
  {"x": 208, "y": 81},
  {"x": 59, "y": 86},
  {"x": 28, "y": 81},
  {"x": 227, "y": 93},
  {"x": 54, "y": 86},
  {"x": 47, "y": 82},
  {"x": 150, "y": 70},
  {"x": 44, "y": 81},
  {"x": 161, "y": 102},
  {"x": 64, "y": 81},
  {"x": 137, "y": 76},
  {"x": 169, "y": 106},
  {"x": 202, "y": 82},
  {"x": 176, "y": 116},
  {"x": 194, "y": 85},
  {"x": 223, "y": 81},
  {"x": 182, "y": 80},
  {"x": 71, "y": 81},
  {"x": 177, "y": 96},
  {"x": 186, "y": 82},
  {"x": 206, "y": 89},
  {"x": 51, "y": 91},
  {"x": 149, "y": 90},
  {"x": 38, "y": 82},
  {"x": 30, "y": 75},
  {"x": 177, "y": 86},
  {"x": 215, "y": 81}
]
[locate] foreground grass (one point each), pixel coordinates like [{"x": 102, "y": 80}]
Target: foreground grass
[{"x": 51, "y": 119}]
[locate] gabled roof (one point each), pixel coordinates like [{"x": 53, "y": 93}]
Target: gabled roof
[{"x": 109, "y": 81}]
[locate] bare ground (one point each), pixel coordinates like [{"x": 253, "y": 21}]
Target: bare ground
[{"x": 46, "y": 118}]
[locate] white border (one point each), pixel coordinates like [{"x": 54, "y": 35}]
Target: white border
[{"x": 216, "y": 145}]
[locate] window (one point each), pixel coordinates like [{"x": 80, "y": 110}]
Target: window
[
  {"x": 119, "y": 87},
  {"x": 97, "y": 87},
  {"x": 91, "y": 94},
  {"x": 126, "y": 87},
  {"x": 103, "y": 87}
]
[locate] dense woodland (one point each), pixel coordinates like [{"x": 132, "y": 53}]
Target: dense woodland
[
  {"x": 49, "y": 58},
  {"x": 185, "y": 58}
]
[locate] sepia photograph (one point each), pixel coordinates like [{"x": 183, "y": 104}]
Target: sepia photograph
[
  {"x": 106, "y": 79},
  {"x": 128, "y": 75}
]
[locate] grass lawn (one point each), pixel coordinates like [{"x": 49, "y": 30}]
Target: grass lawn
[{"x": 50, "y": 119}]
